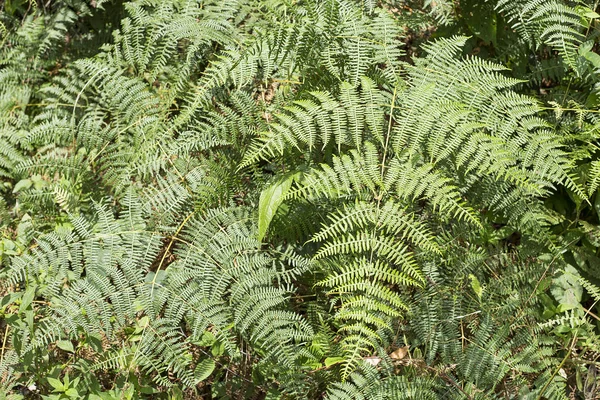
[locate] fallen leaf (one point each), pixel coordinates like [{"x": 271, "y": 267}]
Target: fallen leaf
[
  {"x": 373, "y": 360},
  {"x": 399, "y": 354}
]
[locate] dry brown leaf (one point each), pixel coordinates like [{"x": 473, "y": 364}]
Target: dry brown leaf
[
  {"x": 373, "y": 360},
  {"x": 399, "y": 354}
]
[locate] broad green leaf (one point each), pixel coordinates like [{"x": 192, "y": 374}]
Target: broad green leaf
[
  {"x": 65, "y": 345},
  {"x": 549, "y": 305},
  {"x": 481, "y": 19},
  {"x": 56, "y": 384},
  {"x": 204, "y": 369},
  {"x": 329, "y": 361},
  {"x": 29, "y": 319},
  {"x": 21, "y": 185},
  {"x": 148, "y": 390},
  {"x": 567, "y": 290},
  {"x": 218, "y": 348},
  {"x": 476, "y": 285},
  {"x": 270, "y": 199},
  {"x": 593, "y": 58},
  {"x": 176, "y": 394},
  {"x": 207, "y": 339},
  {"x": 95, "y": 342},
  {"x": 144, "y": 321},
  {"x": 585, "y": 50},
  {"x": 27, "y": 298},
  {"x": 592, "y": 14}
]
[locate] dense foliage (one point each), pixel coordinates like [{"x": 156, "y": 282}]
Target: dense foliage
[{"x": 299, "y": 199}]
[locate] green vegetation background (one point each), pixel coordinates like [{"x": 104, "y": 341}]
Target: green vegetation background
[{"x": 299, "y": 199}]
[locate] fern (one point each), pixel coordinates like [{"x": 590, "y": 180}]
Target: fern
[
  {"x": 298, "y": 199},
  {"x": 552, "y": 23}
]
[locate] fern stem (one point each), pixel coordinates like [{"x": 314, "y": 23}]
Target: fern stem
[
  {"x": 558, "y": 368},
  {"x": 166, "y": 252},
  {"x": 4, "y": 343}
]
